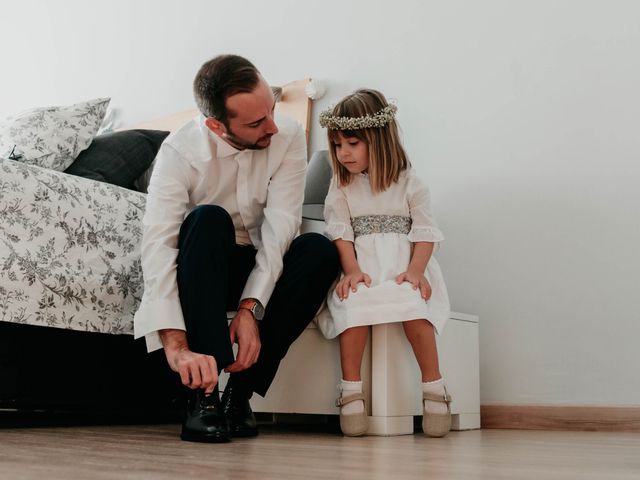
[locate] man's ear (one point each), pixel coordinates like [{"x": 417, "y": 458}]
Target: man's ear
[{"x": 216, "y": 126}]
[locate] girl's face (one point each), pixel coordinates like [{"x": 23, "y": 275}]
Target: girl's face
[{"x": 352, "y": 153}]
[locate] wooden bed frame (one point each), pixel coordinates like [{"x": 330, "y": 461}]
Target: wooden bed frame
[{"x": 293, "y": 102}]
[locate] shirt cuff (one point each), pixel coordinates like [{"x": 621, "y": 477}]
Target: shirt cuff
[
  {"x": 259, "y": 286},
  {"x": 153, "y": 342},
  {"x": 154, "y": 316}
]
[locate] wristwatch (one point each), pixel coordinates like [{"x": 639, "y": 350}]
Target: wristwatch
[{"x": 254, "y": 306}]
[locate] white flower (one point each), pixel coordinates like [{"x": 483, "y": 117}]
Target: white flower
[{"x": 376, "y": 120}]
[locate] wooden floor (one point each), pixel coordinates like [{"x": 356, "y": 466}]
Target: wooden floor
[{"x": 155, "y": 452}]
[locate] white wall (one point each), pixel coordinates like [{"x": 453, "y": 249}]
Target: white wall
[{"x": 522, "y": 116}]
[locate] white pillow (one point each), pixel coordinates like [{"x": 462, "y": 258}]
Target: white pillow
[{"x": 52, "y": 137}]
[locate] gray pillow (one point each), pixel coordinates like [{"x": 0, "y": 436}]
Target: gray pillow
[
  {"x": 318, "y": 178},
  {"x": 119, "y": 158},
  {"x": 51, "y": 137}
]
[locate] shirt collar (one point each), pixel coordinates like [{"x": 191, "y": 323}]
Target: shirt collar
[{"x": 223, "y": 149}]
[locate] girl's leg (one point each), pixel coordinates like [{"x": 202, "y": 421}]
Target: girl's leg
[
  {"x": 352, "y": 343},
  {"x": 421, "y": 335},
  {"x": 422, "y": 338}
]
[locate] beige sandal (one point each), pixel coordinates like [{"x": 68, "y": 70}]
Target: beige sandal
[
  {"x": 436, "y": 424},
  {"x": 356, "y": 424}
]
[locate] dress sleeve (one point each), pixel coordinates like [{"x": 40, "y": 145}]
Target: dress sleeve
[
  {"x": 423, "y": 226},
  {"x": 336, "y": 214}
]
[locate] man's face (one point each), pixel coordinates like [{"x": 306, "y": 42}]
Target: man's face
[{"x": 250, "y": 121}]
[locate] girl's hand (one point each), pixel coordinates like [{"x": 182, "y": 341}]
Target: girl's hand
[
  {"x": 418, "y": 280},
  {"x": 351, "y": 281}
]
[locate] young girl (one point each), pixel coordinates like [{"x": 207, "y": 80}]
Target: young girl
[{"x": 377, "y": 212}]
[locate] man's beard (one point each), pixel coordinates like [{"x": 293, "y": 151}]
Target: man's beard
[{"x": 240, "y": 144}]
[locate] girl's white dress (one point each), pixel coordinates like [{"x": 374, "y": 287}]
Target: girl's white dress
[{"x": 383, "y": 256}]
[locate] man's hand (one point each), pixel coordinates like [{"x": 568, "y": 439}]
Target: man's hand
[
  {"x": 418, "y": 280},
  {"x": 244, "y": 332},
  {"x": 350, "y": 281},
  {"x": 196, "y": 370}
]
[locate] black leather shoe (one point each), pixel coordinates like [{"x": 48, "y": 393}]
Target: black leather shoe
[
  {"x": 205, "y": 420},
  {"x": 235, "y": 404}
]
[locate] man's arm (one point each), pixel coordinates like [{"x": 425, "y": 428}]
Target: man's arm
[
  {"x": 160, "y": 313},
  {"x": 282, "y": 218},
  {"x": 196, "y": 370},
  {"x": 167, "y": 203}
]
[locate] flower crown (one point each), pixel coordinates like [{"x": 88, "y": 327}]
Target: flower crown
[{"x": 376, "y": 120}]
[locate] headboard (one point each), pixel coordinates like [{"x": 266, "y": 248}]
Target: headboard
[{"x": 293, "y": 102}]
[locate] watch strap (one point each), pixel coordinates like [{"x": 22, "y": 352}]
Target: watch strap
[{"x": 252, "y": 305}]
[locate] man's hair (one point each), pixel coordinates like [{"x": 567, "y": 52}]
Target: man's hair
[
  {"x": 220, "y": 78},
  {"x": 387, "y": 158}
]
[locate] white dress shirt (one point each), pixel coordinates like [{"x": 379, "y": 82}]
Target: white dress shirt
[{"x": 262, "y": 190}]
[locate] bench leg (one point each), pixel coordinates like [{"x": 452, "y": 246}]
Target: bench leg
[
  {"x": 465, "y": 421},
  {"x": 388, "y": 426}
]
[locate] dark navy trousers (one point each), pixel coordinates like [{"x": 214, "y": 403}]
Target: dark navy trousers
[{"x": 212, "y": 271}]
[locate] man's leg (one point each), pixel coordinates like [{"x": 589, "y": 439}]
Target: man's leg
[
  {"x": 309, "y": 268},
  {"x": 205, "y": 244}
]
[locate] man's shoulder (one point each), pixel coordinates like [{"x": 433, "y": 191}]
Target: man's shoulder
[
  {"x": 184, "y": 136},
  {"x": 191, "y": 141}
]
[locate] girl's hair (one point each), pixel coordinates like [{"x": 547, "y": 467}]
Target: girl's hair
[{"x": 387, "y": 158}]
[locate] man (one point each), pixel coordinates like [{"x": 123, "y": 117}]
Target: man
[{"x": 223, "y": 211}]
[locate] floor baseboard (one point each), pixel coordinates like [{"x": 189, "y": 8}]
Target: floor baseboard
[{"x": 575, "y": 418}]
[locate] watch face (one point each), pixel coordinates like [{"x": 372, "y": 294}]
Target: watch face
[{"x": 258, "y": 311}]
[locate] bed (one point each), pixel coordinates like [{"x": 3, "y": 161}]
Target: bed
[{"x": 71, "y": 279}]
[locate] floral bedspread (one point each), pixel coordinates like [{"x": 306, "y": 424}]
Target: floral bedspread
[{"x": 69, "y": 250}]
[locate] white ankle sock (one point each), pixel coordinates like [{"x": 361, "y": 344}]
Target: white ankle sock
[
  {"x": 436, "y": 387},
  {"x": 349, "y": 388}
]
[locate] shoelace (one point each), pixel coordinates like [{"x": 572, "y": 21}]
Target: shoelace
[{"x": 208, "y": 402}]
